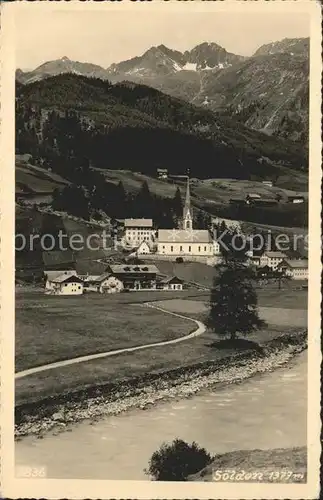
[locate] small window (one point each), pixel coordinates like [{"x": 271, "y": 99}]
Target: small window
[
  {"x": 204, "y": 249},
  {"x": 79, "y": 287},
  {"x": 171, "y": 248},
  {"x": 199, "y": 249},
  {"x": 189, "y": 248}
]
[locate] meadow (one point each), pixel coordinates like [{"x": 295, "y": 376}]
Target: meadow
[{"x": 54, "y": 328}]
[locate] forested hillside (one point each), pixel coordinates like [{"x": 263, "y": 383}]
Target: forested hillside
[{"x": 67, "y": 118}]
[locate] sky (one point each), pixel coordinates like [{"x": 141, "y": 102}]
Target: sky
[{"x": 106, "y": 36}]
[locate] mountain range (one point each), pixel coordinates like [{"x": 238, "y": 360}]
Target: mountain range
[
  {"x": 131, "y": 126},
  {"x": 267, "y": 91}
]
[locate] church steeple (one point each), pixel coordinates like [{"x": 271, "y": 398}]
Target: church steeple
[{"x": 187, "y": 211}]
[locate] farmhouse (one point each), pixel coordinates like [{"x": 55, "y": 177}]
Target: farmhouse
[
  {"x": 296, "y": 269},
  {"x": 162, "y": 173},
  {"x": 52, "y": 275},
  {"x": 170, "y": 283},
  {"x": 138, "y": 230},
  {"x": 65, "y": 285},
  {"x": 296, "y": 199},
  {"x": 135, "y": 277},
  {"x": 186, "y": 241},
  {"x": 272, "y": 259},
  {"x": 252, "y": 196},
  {"x": 105, "y": 283},
  {"x": 145, "y": 248}
]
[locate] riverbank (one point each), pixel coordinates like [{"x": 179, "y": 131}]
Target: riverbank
[
  {"x": 280, "y": 465},
  {"x": 59, "y": 413}
]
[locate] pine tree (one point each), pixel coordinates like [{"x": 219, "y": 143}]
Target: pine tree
[
  {"x": 177, "y": 203},
  {"x": 233, "y": 301}
]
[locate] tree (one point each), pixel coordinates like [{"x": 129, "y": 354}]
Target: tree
[
  {"x": 176, "y": 461},
  {"x": 177, "y": 203},
  {"x": 233, "y": 301},
  {"x": 143, "y": 201}
]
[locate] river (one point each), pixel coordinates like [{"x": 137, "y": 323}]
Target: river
[{"x": 266, "y": 411}]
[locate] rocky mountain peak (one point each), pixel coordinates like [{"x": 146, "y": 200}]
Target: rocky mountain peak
[{"x": 291, "y": 46}]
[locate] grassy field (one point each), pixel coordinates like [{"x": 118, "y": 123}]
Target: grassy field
[
  {"x": 130, "y": 365},
  {"x": 52, "y": 328},
  {"x": 272, "y": 315},
  {"x": 272, "y": 464},
  {"x": 270, "y": 296}
]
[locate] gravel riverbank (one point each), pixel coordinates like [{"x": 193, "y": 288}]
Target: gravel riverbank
[{"x": 59, "y": 413}]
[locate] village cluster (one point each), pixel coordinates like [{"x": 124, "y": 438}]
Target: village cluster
[{"x": 175, "y": 244}]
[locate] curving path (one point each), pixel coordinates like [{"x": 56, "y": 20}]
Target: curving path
[{"x": 89, "y": 357}]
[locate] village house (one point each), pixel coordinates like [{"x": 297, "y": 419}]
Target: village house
[
  {"x": 162, "y": 173},
  {"x": 296, "y": 199},
  {"x": 267, "y": 183},
  {"x": 64, "y": 284},
  {"x": 272, "y": 259},
  {"x": 135, "y": 277},
  {"x": 170, "y": 283},
  {"x": 145, "y": 248},
  {"x": 138, "y": 230},
  {"x": 105, "y": 283},
  {"x": 296, "y": 269},
  {"x": 51, "y": 275},
  {"x": 251, "y": 197}
]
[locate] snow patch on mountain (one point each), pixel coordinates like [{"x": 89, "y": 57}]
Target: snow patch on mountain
[{"x": 190, "y": 66}]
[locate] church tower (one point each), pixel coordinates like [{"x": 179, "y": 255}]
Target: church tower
[{"x": 187, "y": 211}]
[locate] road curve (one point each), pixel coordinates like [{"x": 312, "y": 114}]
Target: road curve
[{"x": 89, "y": 357}]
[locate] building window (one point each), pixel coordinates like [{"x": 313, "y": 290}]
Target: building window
[
  {"x": 204, "y": 249},
  {"x": 181, "y": 248},
  {"x": 171, "y": 248},
  {"x": 189, "y": 248},
  {"x": 199, "y": 249},
  {"x": 163, "y": 247}
]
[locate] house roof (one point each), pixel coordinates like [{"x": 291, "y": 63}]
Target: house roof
[
  {"x": 52, "y": 275},
  {"x": 275, "y": 255},
  {"x": 162, "y": 170},
  {"x": 133, "y": 268},
  {"x": 138, "y": 223},
  {"x": 148, "y": 243},
  {"x": 296, "y": 264},
  {"x": 72, "y": 278},
  {"x": 169, "y": 279},
  {"x": 184, "y": 236},
  {"x": 254, "y": 195},
  {"x": 265, "y": 200}
]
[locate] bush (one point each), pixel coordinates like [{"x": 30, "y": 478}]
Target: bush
[
  {"x": 179, "y": 260},
  {"x": 176, "y": 461}
]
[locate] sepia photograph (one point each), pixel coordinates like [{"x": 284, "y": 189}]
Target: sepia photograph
[{"x": 166, "y": 164}]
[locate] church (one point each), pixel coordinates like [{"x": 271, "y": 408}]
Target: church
[{"x": 187, "y": 241}]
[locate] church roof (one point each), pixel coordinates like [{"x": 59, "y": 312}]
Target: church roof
[{"x": 184, "y": 236}]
